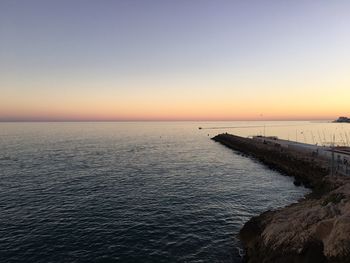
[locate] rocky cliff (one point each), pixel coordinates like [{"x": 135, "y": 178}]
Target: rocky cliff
[{"x": 312, "y": 230}]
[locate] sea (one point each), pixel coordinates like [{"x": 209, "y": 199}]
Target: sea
[{"x": 137, "y": 191}]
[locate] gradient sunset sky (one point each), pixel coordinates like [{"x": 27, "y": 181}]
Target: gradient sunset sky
[{"x": 174, "y": 60}]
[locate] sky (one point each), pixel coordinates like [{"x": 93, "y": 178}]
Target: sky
[{"x": 174, "y": 60}]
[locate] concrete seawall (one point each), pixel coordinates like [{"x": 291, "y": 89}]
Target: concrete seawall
[
  {"x": 316, "y": 229},
  {"x": 306, "y": 170}
]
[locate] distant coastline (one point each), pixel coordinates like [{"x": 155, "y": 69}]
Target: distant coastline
[{"x": 342, "y": 119}]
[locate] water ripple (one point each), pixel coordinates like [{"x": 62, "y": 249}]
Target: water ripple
[{"x": 125, "y": 193}]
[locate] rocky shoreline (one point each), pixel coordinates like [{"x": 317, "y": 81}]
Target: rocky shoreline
[{"x": 316, "y": 229}]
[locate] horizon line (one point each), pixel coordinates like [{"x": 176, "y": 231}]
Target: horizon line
[{"x": 160, "y": 120}]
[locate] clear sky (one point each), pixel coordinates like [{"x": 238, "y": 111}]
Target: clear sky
[{"x": 174, "y": 60}]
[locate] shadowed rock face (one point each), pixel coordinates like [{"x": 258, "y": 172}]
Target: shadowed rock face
[{"x": 316, "y": 229}]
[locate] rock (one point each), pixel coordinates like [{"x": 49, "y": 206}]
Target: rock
[
  {"x": 297, "y": 183},
  {"x": 308, "y": 231}
]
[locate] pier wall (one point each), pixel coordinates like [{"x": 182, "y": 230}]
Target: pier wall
[
  {"x": 338, "y": 157},
  {"x": 304, "y": 167}
]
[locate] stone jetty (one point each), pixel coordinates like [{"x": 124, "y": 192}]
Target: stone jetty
[{"x": 317, "y": 228}]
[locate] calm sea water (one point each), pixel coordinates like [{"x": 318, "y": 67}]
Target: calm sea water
[{"x": 131, "y": 192}]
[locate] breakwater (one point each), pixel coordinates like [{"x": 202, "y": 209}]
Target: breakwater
[
  {"x": 306, "y": 170},
  {"x": 316, "y": 229}
]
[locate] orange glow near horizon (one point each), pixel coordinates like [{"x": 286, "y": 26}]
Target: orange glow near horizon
[
  {"x": 188, "y": 109},
  {"x": 259, "y": 100}
]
